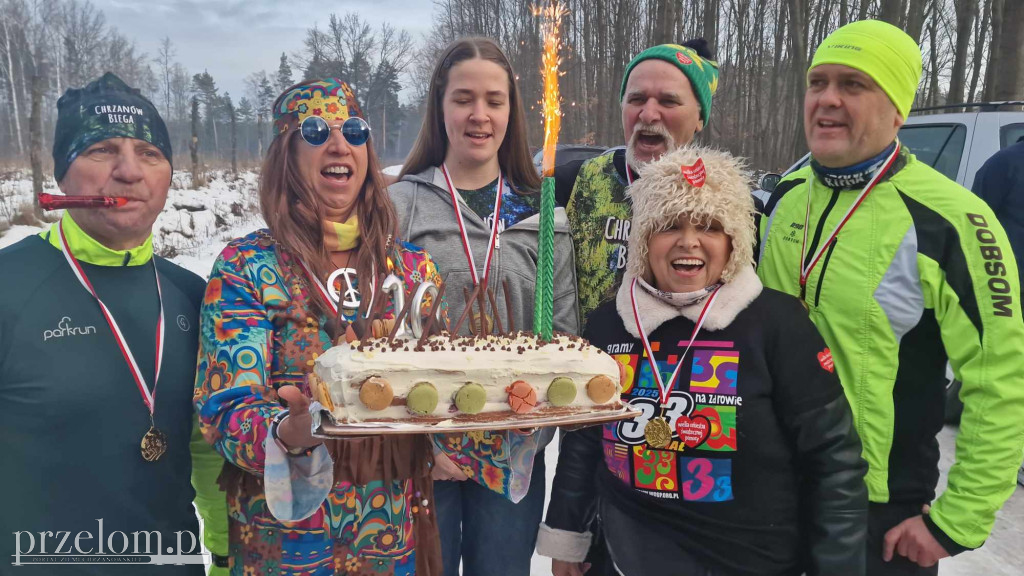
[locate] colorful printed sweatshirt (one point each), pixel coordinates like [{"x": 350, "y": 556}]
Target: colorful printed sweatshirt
[
  {"x": 922, "y": 272},
  {"x": 763, "y": 474}
]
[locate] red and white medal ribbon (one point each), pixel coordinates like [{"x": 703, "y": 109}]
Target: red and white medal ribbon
[
  {"x": 664, "y": 390},
  {"x": 140, "y": 381},
  {"x": 325, "y": 295},
  {"x": 805, "y": 270},
  {"x": 462, "y": 226},
  {"x": 629, "y": 175}
]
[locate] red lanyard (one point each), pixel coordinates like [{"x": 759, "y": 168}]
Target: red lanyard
[
  {"x": 140, "y": 381},
  {"x": 462, "y": 226},
  {"x": 805, "y": 271},
  {"x": 629, "y": 175},
  {"x": 665, "y": 389}
]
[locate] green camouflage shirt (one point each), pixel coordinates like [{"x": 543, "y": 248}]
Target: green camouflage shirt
[{"x": 599, "y": 216}]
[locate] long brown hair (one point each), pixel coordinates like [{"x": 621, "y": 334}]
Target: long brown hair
[
  {"x": 294, "y": 214},
  {"x": 432, "y": 143}
]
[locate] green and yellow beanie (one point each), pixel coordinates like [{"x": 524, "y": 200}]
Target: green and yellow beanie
[
  {"x": 882, "y": 51},
  {"x": 702, "y": 73}
]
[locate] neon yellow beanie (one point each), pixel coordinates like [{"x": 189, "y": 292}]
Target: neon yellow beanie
[{"x": 882, "y": 51}]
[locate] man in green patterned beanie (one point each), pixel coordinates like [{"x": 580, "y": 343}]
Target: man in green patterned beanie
[{"x": 665, "y": 100}]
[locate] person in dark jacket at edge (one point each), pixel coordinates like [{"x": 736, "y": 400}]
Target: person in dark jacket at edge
[
  {"x": 744, "y": 460},
  {"x": 1000, "y": 183}
]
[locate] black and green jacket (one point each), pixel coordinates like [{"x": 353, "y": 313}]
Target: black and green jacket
[
  {"x": 922, "y": 272},
  {"x": 73, "y": 416},
  {"x": 594, "y": 195}
]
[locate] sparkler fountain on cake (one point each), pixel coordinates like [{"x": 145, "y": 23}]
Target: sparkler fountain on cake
[{"x": 424, "y": 374}]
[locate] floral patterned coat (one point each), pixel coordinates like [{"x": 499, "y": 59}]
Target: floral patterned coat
[{"x": 258, "y": 333}]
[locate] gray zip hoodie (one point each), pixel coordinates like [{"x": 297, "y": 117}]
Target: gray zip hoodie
[{"x": 427, "y": 219}]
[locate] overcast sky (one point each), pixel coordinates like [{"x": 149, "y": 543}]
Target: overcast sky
[{"x": 234, "y": 38}]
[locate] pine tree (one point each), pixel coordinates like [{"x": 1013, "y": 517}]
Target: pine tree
[{"x": 284, "y": 74}]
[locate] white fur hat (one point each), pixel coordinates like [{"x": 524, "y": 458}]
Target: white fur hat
[{"x": 663, "y": 193}]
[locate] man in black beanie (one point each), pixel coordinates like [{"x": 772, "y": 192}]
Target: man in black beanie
[{"x": 97, "y": 363}]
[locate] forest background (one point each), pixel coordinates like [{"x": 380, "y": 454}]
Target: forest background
[{"x": 973, "y": 50}]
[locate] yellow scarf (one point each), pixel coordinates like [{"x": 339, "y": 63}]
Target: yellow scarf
[{"x": 341, "y": 236}]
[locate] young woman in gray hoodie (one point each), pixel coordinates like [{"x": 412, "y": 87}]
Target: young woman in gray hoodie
[{"x": 468, "y": 193}]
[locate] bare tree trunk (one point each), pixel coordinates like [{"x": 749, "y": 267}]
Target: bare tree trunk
[
  {"x": 193, "y": 145},
  {"x": 916, "y": 15},
  {"x": 35, "y": 130},
  {"x": 966, "y": 11},
  {"x": 1009, "y": 82},
  {"x": 934, "y": 75},
  {"x": 891, "y": 12},
  {"x": 14, "y": 91},
  {"x": 234, "y": 140},
  {"x": 863, "y": 13},
  {"x": 798, "y": 56},
  {"x": 664, "y": 21},
  {"x": 993, "y": 49},
  {"x": 259, "y": 136},
  {"x": 980, "y": 32},
  {"x": 711, "y": 24}
]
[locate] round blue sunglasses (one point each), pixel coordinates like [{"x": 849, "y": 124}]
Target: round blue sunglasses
[{"x": 315, "y": 131}]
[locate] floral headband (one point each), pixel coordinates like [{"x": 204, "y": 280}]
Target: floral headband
[{"x": 330, "y": 99}]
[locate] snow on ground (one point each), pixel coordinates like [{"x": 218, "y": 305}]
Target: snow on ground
[{"x": 192, "y": 229}]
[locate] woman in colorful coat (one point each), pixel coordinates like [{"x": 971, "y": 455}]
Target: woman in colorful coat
[{"x": 266, "y": 318}]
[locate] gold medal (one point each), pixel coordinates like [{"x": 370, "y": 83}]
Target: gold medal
[
  {"x": 657, "y": 432},
  {"x": 805, "y": 304},
  {"x": 154, "y": 444}
]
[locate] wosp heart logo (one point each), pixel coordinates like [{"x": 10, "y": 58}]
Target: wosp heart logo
[
  {"x": 693, "y": 431},
  {"x": 825, "y": 359}
]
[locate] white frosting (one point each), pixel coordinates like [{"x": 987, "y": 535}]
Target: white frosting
[{"x": 344, "y": 368}]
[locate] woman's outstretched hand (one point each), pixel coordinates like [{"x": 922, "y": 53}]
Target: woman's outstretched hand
[
  {"x": 295, "y": 431},
  {"x": 445, "y": 469}
]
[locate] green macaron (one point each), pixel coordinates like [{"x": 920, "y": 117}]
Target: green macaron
[
  {"x": 561, "y": 391},
  {"x": 422, "y": 399},
  {"x": 470, "y": 398}
]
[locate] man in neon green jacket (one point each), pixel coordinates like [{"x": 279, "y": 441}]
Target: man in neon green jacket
[{"x": 900, "y": 269}]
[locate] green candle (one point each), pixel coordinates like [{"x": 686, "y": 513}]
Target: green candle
[{"x": 544, "y": 310}]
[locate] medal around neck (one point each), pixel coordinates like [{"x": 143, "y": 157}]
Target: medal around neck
[
  {"x": 657, "y": 432},
  {"x": 154, "y": 444}
]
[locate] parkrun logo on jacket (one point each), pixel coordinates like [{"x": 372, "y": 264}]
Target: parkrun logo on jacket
[
  {"x": 64, "y": 328},
  {"x": 119, "y": 114}
]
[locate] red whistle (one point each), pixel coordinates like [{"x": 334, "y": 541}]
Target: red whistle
[{"x": 55, "y": 202}]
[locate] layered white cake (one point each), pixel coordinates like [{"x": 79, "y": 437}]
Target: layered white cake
[{"x": 465, "y": 379}]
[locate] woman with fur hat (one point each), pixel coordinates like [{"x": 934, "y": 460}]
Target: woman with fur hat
[{"x": 744, "y": 459}]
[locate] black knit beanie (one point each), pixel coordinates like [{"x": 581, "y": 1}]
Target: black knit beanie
[{"x": 106, "y": 108}]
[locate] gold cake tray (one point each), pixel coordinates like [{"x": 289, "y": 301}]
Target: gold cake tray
[{"x": 468, "y": 423}]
